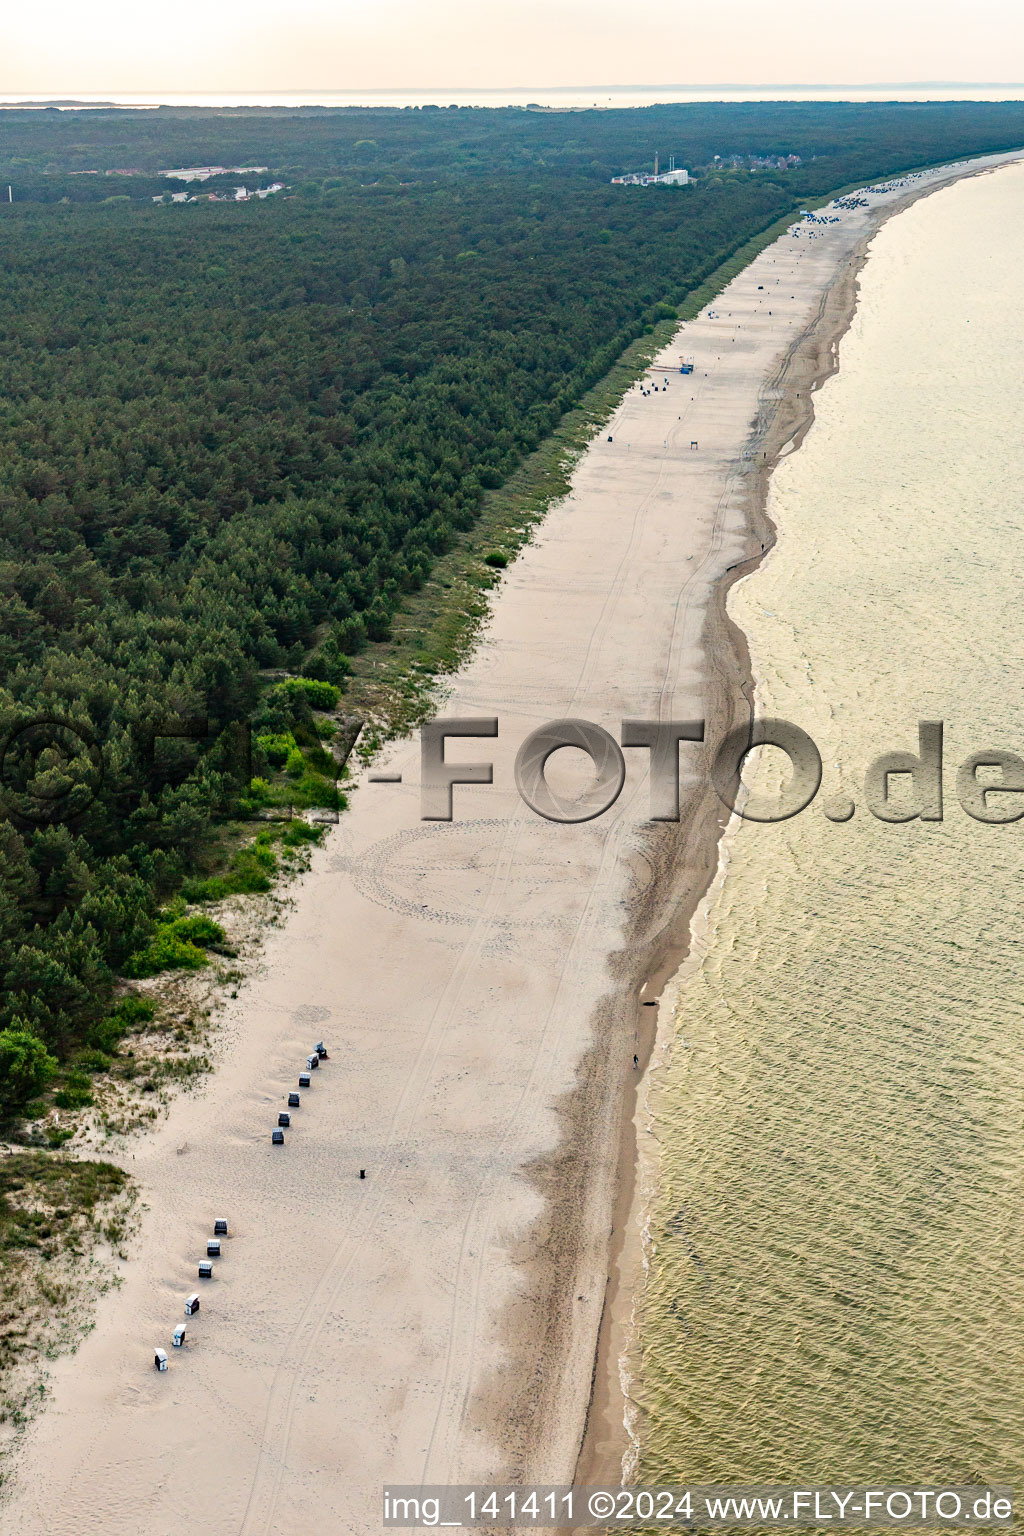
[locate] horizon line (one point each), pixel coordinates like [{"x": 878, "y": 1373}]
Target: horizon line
[{"x": 392, "y": 90}]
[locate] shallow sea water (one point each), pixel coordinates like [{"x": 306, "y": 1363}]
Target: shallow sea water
[{"x": 835, "y": 1288}]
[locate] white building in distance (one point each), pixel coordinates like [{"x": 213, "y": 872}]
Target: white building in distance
[
  {"x": 669, "y": 178},
  {"x": 204, "y": 172}
]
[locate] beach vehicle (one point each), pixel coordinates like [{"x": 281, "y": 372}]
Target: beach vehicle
[
  {"x": 220, "y": 1227},
  {"x": 303, "y": 1079},
  {"x": 191, "y": 1305},
  {"x": 277, "y": 1138},
  {"x": 205, "y": 1269},
  {"x": 178, "y": 1339},
  {"x": 213, "y": 1248},
  {"x": 284, "y": 1119},
  {"x": 160, "y": 1359},
  {"x": 294, "y": 1101}
]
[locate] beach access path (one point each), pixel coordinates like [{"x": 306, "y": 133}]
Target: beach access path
[{"x": 476, "y": 983}]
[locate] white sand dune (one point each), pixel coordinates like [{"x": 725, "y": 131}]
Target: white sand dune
[{"x": 436, "y": 1321}]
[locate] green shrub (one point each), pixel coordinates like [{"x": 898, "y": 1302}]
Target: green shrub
[
  {"x": 166, "y": 952},
  {"x": 349, "y": 635},
  {"x": 320, "y": 693},
  {"x": 261, "y": 851},
  {"x": 275, "y": 746},
  {"x": 177, "y": 946},
  {"x": 314, "y": 691},
  {"x": 94, "y": 1061},
  {"x": 295, "y": 765},
  {"x": 328, "y": 665},
  {"x": 300, "y": 832},
  {"x": 315, "y": 791},
  {"x": 106, "y": 1035},
  {"x": 306, "y": 735},
  {"x": 76, "y": 1092},
  {"x": 321, "y": 761},
  {"x": 215, "y": 888},
  {"x": 131, "y": 1012},
  {"x": 377, "y": 618},
  {"x": 135, "y": 1010},
  {"x": 26, "y": 1067},
  {"x": 72, "y": 1098},
  {"x": 199, "y": 929},
  {"x": 497, "y": 559},
  {"x": 248, "y": 872}
]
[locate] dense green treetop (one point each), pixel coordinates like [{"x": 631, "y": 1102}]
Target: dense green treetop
[{"x": 234, "y": 437}]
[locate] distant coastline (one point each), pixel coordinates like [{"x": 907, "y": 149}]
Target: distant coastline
[
  {"x": 548, "y": 97},
  {"x": 609, "y": 1449}
]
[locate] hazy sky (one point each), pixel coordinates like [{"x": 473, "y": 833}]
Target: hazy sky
[{"x": 232, "y": 45}]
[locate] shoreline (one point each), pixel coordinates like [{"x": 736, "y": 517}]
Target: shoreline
[
  {"x": 478, "y": 984},
  {"x": 607, "y": 1444}
]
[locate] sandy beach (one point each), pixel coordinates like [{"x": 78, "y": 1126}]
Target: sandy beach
[{"x": 481, "y": 986}]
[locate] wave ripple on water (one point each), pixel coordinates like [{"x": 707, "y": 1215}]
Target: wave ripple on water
[{"x": 836, "y": 1280}]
